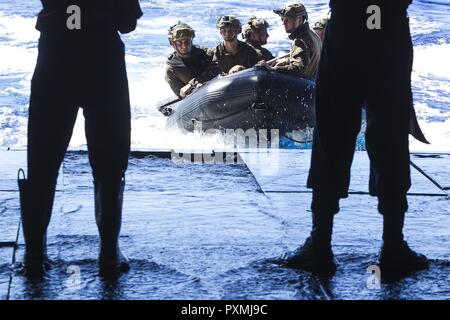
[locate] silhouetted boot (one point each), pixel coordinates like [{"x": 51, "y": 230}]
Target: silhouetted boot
[
  {"x": 396, "y": 258},
  {"x": 108, "y": 215},
  {"x": 315, "y": 255},
  {"x": 36, "y": 208}
]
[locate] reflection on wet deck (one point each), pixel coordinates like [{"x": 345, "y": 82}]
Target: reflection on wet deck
[{"x": 208, "y": 230}]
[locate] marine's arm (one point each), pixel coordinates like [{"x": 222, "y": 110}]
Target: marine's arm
[
  {"x": 174, "y": 82},
  {"x": 253, "y": 57},
  {"x": 298, "y": 60},
  {"x": 211, "y": 69},
  {"x": 267, "y": 55}
]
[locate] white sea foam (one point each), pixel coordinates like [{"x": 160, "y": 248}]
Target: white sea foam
[
  {"x": 18, "y": 29},
  {"x": 147, "y": 49},
  {"x": 432, "y": 60},
  {"x": 437, "y": 133},
  {"x": 14, "y": 59}
]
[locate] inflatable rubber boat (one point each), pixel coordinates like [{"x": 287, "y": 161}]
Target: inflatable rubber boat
[{"x": 251, "y": 99}]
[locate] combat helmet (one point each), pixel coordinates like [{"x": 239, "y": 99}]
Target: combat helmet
[
  {"x": 254, "y": 24},
  {"x": 230, "y": 22},
  {"x": 292, "y": 9},
  {"x": 179, "y": 31}
]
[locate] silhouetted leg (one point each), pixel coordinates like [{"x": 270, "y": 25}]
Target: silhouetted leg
[
  {"x": 388, "y": 114},
  {"x": 108, "y": 140},
  {"x": 51, "y": 120},
  {"x": 387, "y": 145},
  {"x": 108, "y": 135}
]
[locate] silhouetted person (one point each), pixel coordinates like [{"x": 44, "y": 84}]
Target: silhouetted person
[
  {"x": 366, "y": 60},
  {"x": 81, "y": 63}
]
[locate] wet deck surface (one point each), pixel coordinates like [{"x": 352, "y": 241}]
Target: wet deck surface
[{"x": 208, "y": 231}]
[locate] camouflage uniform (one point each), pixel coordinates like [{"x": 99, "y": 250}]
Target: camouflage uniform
[
  {"x": 193, "y": 68},
  {"x": 198, "y": 68},
  {"x": 304, "y": 55},
  {"x": 255, "y": 25},
  {"x": 321, "y": 23},
  {"x": 320, "y": 26},
  {"x": 246, "y": 56},
  {"x": 262, "y": 52}
]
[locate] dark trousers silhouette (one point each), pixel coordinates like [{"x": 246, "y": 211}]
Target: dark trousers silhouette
[
  {"x": 372, "y": 68},
  {"x": 360, "y": 67},
  {"x": 77, "y": 69}
]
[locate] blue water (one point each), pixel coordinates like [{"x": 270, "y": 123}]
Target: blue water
[
  {"x": 205, "y": 231},
  {"x": 147, "y": 49}
]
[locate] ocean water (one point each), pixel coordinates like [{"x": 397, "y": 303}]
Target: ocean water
[
  {"x": 205, "y": 231},
  {"x": 147, "y": 49}
]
